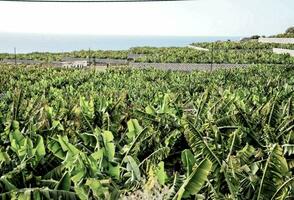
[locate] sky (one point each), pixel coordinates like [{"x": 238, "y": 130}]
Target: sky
[{"x": 184, "y": 18}]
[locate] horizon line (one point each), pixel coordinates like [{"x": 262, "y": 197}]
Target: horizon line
[{"x": 121, "y": 35}]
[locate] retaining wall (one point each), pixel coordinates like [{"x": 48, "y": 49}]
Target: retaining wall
[
  {"x": 283, "y": 51},
  {"x": 277, "y": 40},
  {"x": 184, "y": 66}
]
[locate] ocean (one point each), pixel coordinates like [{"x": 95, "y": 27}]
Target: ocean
[{"x": 25, "y": 42}]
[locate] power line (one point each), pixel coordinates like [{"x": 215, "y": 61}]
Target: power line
[{"x": 90, "y": 1}]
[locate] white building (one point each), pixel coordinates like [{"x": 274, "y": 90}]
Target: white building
[{"x": 74, "y": 63}]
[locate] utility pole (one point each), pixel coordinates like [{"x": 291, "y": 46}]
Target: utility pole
[
  {"x": 211, "y": 60},
  {"x": 15, "y": 56},
  {"x": 89, "y": 56}
]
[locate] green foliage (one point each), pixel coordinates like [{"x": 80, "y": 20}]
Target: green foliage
[
  {"x": 49, "y": 57},
  {"x": 239, "y": 52},
  {"x": 249, "y": 52},
  {"x": 83, "y": 134},
  {"x": 290, "y": 30},
  {"x": 195, "y": 180},
  {"x": 274, "y": 173},
  {"x": 188, "y": 160}
]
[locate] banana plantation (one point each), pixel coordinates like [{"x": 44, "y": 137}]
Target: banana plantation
[
  {"x": 220, "y": 54},
  {"x": 242, "y": 45},
  {"x": 49, "y": 56},
  {"x": 229, "y": 52},
  {"x": 146, "y": 134}
]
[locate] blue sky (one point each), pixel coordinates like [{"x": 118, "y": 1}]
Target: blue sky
[{"x": 190, "y": 18}]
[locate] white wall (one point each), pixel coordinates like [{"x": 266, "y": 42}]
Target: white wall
[
  {"x": 283, "y": 51},
  {"x": 277, "y": 40}
]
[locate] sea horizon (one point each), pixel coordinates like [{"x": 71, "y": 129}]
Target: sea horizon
[{"x": 38, "y": 42}]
